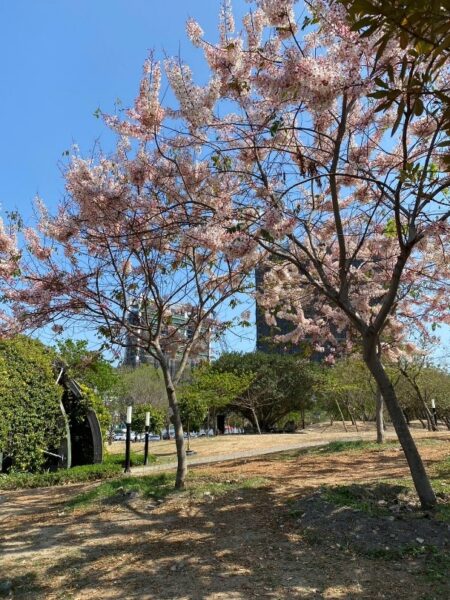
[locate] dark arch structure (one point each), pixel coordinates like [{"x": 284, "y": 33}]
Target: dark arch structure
[{"x": 83, "y": 442}]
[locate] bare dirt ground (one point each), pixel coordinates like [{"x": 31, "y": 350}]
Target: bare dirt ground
[{"x": 242, "y": 544}]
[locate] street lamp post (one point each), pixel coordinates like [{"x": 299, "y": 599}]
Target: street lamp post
[
  {"x": 433, "y": 408},
  {"x": 147, "y": 430},
  {"x": 128, "y": 440},
  {"x": 189, "y": 451}
]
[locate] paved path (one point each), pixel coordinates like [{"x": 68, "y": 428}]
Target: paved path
[{"x": 206, "y": 460}]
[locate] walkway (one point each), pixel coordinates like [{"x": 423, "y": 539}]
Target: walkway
[{"x": 218, "y": 458}]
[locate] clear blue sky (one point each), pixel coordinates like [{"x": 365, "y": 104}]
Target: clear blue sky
[{"x": 60, "y": 60}]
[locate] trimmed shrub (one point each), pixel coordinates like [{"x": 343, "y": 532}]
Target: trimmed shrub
[{"x": 30, "y": 417}]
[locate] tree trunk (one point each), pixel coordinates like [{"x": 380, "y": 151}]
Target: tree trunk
[
  {"x": 341, "y": 413},
  {"x": 379, "y": 417},
  {"x": 421, "y": 422},
  {"x": 214, "y": 428},
  {"x": 418, "y": 473},
  {"x": 303, "y": 418},
  {"x": 178, "y": 426},
  {"x": 406, "y": 415},
  {"x": 352, "y": 417},
  {"x": 258, "y": 428},
  {"x": 430, "y": 419}
]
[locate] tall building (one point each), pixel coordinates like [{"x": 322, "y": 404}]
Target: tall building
[{"x": 135, "y": 355}]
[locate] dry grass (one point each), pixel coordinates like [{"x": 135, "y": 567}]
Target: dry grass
[{"x": 208, "y": 447}]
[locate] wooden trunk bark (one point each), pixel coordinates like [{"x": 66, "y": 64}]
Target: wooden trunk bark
[
  {"x": 418, "y": 473},
  {"x": 342, "y": 414},
  {"x": 258, "y": 428},
  {"x": 178, "y": 426}
]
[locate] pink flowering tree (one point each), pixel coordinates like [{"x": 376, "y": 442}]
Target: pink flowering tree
[
  {"x": 132, "y": 253},
  {"x": 347, "y": 192},
  {"x": 9, "y": 263}
]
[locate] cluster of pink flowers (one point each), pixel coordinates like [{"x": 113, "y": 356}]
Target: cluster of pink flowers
[{"x": 8, "y": 252}]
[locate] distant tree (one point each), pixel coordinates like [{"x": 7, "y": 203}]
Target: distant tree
[
  {"x": 142, "y": 385},
  {"x": 210, "y": 391},
  {"x": 88, "y": 366},
  {"x": 279, "y": 384},
  {"x": 157, "y": 417},
  {"x": 193, "y": 410},
  {"x": 354, "y": 396},
  {"x": 418, "y": 382}
]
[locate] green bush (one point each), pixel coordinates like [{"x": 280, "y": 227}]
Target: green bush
[
  {"x": 111, "y": 467},
  {"x": 157, "y": 417},
  {"x": 30, "y": 417}
]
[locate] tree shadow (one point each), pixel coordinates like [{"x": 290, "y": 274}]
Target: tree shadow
[{"x": 241, "y": 544}]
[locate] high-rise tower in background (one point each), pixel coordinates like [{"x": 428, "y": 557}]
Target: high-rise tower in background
[{"x": 135, "y": 355}]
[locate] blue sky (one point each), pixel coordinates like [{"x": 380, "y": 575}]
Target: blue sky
[{"x": 61, "y": 59}]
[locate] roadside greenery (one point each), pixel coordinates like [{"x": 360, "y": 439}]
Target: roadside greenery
[
  {"x": 210, "y": 390},
  {"x": 31, "y": 422},
  {"x": 157, "y": 417}
]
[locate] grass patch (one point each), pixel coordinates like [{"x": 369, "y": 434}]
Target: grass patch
[
  {"x": 442, "y": 469},
  {"x": 137, "y": 459},
  {"x": 356, "y": 446},
  {"x": 435, "y": 565},
  {"x": 371, "y": 499},
  {"x": 201, "y": 484},
  {"x": 353, "y": 446},
  {"x": 333, "y": 448},
  {"x": 158, "y": 486},
  {"x": 111, "y": 467}
]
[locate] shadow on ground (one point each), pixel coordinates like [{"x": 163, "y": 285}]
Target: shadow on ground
[{"x": 277, "y": 541}]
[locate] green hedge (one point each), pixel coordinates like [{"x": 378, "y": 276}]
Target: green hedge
[
  {"x": 30, "y": 415},
  {"x": 112, "y": 467}
]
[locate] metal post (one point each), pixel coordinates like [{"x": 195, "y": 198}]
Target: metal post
[
  {"x": 127, "y": 449},
  {"x": 433, "y": 408},
  {"x": 189, "y": 451},
  {"x": 189, "y": 437},
  {"x": 128, "y": 442},
  {"x": 147, "y": 430}
]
